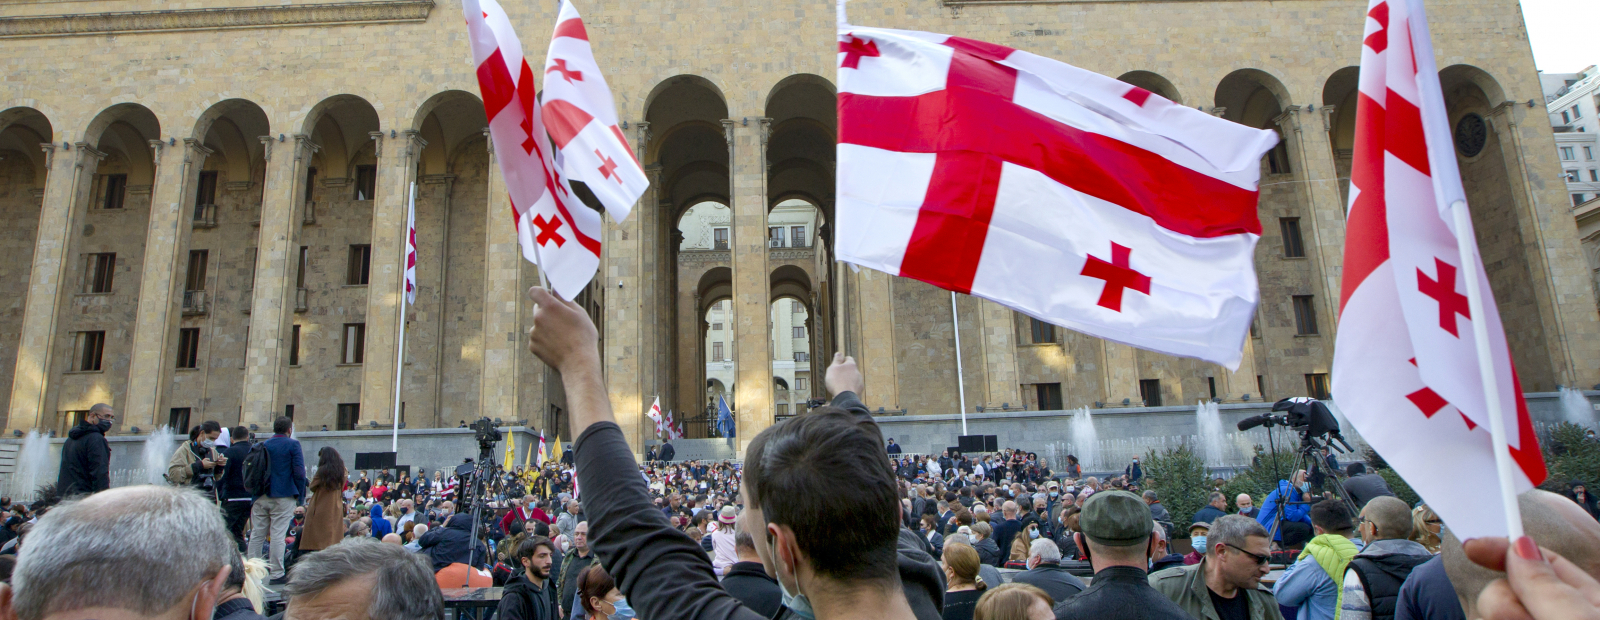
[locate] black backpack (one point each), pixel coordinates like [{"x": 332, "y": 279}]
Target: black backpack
[{"x": 258, "y": 470}]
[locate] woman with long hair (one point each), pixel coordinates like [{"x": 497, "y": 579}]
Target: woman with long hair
[
  {"x": 1014, "y": 601},
  {"x": 965, "y": 586},
  {"x": 1020, "y": 545},
  {"x": 1425, "y": 527},
  {"x": 325, "y": 510}
]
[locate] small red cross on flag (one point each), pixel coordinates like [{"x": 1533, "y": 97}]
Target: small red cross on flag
[
  {"x": 854, "y": 49},
  {"x": 1443, "y": 291},
  {"x": 547, "y": 231},
  {"x": 560, "y": 66},
  {"x": 1118, "y": 276}
]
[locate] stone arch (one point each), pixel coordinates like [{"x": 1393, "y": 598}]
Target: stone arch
[
  {"x": 124, "y": 131},
  {"x": 232, "y": 129},
  {"x": 448, "y": 121},
  {"x": 1340, "y": 93},
  {"x": 22, "y": 132},
  {"x": 791, "y": 307},
  {"x": 140, "y": 118},
  {"x": 341, "y": 125},
  {"x": 24, "y": 171},
  {"x": 1154, "y": 83},
  {"x": 803, "y": 114},
  {"x": 1255, "y": 98}
]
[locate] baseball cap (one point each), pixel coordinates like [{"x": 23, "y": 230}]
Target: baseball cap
[
  {"x": 1116, "y": 519},
  {"x": 1053, "y": 485}
]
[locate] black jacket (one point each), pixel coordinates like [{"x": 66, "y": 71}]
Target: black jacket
[
  {"x": 85, "y": 462},
  {"x": 1053, "y": 579},
  {"x": 237, "y": 609},
  {"x": 521, "y": 600},
  {"x": 666, "y": 453},
  {"x": 233, "y": 474},
  {"x": 749, "y": 583},
  {"x": 1362, "y": 488},
  {"x": 450, "y": 544},
  {"x": 989, "y": 552},
  {"x": 1120, "y": 593}
]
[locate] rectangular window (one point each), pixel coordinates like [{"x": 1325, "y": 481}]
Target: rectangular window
[
  {"x": 294, "y": 346},
  {"x": 288, "y": 412},
  {"x": 300, "y": 270},
  {"x": 799, "y": 331},
  {"x": 1211, "y": 383},
  {"x": 1565, "y": 118},
  {"x": 1261, "y": 387},
  {"x": 1305, "y": 315},
  {"x": 719, "y": 238},
  {"x": 1255, "y": 328},
  {"x": 100, "y": 270},
  {"x": 113, "y": 191},
  {"x": 311, "y": 181},
  {"x": 1150, "y": 392},
  {"x": 1278, "y": 159},
  {"x": 366, "y": 181},
  {"x": 795, "y": 307},
  {"x": 1317, "y": 386},
  {"x": 783, "y": 409},
  {"x": 716, "y": 327},
  {"x": 196, "y": 280},
  {"x": 800, "y": 383},
  {"x": 87, "y": 349},
  {"x": 802, "y": 356},
  {"x": 1572, "y": 176},
  {"x": 1566, "y": 153},
  {"x": 775, "y": 236},
  {"x": 716, "y": 351},
  {"x": 189, "y": 347},
  {"x": 1042, "y": 332},
  {"x": 1594, "y": 176},
  {"x": 349, "y": 413},
  {"x": 1577, "y": 199},
  {"x": 359, "y": 268},
  {"x": 1293, "y": 246},
  {"x": 1049, "y": 396},
  {"x": 355, "y": 343},
  {"x": 70, "y": 419},
  {"x": 797, "y": 236},
  {"x": 178, "y": 419},
  {"x": 205, "y": 193},
  {"x": 1588, "y": 153},
  {"x": 1577, "y": 112}
]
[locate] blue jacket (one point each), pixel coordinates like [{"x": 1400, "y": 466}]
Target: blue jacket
[
  {"x": 1294, "y": 510},
  {"x": 288, "y": 467},
  {"x": 1305, "y": 585}
]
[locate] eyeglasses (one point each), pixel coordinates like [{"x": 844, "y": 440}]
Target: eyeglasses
[{"x": 1260, "y": 559}]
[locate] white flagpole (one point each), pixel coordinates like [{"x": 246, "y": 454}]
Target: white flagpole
[
  {"x": 400, "y": 351},
  {"x": 961, "y": 381}
]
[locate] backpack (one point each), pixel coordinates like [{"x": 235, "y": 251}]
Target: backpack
[{"x": 258, "y": 470}]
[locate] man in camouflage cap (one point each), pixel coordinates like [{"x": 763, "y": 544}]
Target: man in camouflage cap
[{"x": 1116, "y": 535}]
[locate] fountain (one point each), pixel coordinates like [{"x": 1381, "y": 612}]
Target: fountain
[
  {"x": 1213, "y": 438},
  {"x": 157, "y": 451},
  {"x": 1575, "y": 408},
  {"x": 1085, "y": 440},
  {"x": 32, "y": 463}
]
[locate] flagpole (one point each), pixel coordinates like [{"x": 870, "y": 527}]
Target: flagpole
[
  {"x": 400, "y": 351},
  {"x": 961, "y": 381},
  {"x": 1491, "y": 386}
]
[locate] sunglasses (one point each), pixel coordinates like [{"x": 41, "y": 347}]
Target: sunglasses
[{"x": 1261, "y": 560}]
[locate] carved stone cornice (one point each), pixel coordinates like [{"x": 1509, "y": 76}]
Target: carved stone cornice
[
  {"x": 704, "y": 256},
  {"x": 790, "y": 253},
  {"x": 221, "y": 18}
]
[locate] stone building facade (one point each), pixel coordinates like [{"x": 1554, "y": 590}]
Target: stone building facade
[{"x": 304, "y": 124}]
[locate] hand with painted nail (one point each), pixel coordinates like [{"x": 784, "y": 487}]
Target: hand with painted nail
[
  {"x": 1539, "y": 583},
  {"x": 844, "y": 376}
]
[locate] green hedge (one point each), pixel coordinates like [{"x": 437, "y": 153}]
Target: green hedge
[{"x": 1181, "y": 481}]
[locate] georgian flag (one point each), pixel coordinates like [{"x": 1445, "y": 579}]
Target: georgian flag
[
  {"x": 1065, "y": 194},
  {"x": 582, "y": 119},
  {"x": 541, "y": 448},
  {"x": 556, "y": 231},
  {"x": 411, "y": 247},
  {"x": 655, "y": 415},
  {"x": 1405, "y": 364}
]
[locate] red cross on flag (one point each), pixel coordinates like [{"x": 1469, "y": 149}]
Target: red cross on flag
[
  {"x": 582, "y": 119},
  {"x": 411, "y": 247},
  {"x": 655, "y": 415},
  {"x": 556, "y": 231},
  {"x": 1406, "y": 366},
  {"x": 1065, "y": 194}
]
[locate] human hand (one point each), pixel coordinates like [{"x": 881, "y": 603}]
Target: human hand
[
  {"x": 843, "y": 375},
  {"x": 207, "y": 463},
  {"x": 562, "y": 334},
  {"x": 1539, "y": 583}
]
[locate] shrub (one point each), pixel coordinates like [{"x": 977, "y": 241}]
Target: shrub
[
  {"x": 1569, "y": 457},
  {"x": 1181, "y": 481}
]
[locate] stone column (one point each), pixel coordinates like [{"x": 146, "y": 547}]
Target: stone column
[
  {"x": 999, "y": 345},
  {"x": 1316, "y": 182},
  {"x": 166, "y": 248},
  {"x": 272, "y": 302},
  {"x": 386, "y": 307},
  {"x": 874, "y": 342},
  {"x": 504, "y": 335},
  {"x": 1233, "y": 386},
  {"x": 752, "y": 279},
  {"x": 66, "y": 186},
  {"x": 1121, "y": 364}
]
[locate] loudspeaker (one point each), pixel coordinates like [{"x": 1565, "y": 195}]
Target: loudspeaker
[
  {"x": 991, "y": 443},
  {"x": 970, "y": 443},
  {"x": 375, "y": 460}
]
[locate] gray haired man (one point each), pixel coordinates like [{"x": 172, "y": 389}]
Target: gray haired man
[
  {"x": 129, "y": 553},
  {"x": 1045, "y": 571},
  {"x": 363, "y": 579}
]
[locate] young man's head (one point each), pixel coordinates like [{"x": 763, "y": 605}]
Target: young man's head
[
  {"x": 1385, "y": 518},
  {"x": 1330, "y": 516},
  {"x": 794, "y": 502},
  {"x": 1237, "y": 550},
  {"x": 536, "y": 553},
  {"x": 282, "y": 426}
]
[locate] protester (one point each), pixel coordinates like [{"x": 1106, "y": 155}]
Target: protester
[
  {"x": 530, "y": 595},
  {"x": 1578, "y": 492},
  {"x": 1046, "y": 573},
  {"x": 324, "y": 515},
  {"x": 1006, "y": 530},
  {"x": 722, "y": 541},
  {"x": 131, "y": 553},
  {"x": 601, "y": 598},
  {"x": 1018, "y": 558},
  {"x": 1216, "y": 507},
  {"x": 1117, "y": 536},
  {"x": 453, "y": 544},
  {"x": 1425, "y": 528},
  {"x": 1363, "y": 485},
  {"x": 572, "y": 564},
  {"x": 1372, "y": 582},
  {"x": 965, "y": 585},
  {"x": 928, "y": 526},
  {"x": 1314, "y": 581},
  {"x": 1074, "y": 470},
  {"x": 1161, "y": 556},
  {"x": 272, "y": 511},
  {"x": 195, "y": 462},
  {"x": 1133, "y": 472},
  {"x": 1246, "y": 506},
  {"x": 413, "y": 543},
  {"x": 1197, "y": 543},
  {"x": 236, "y": 499},
  {"x": 1227, "y": 582},
  {"x": 988, "y": 550},
  {"x": 1296, "y": 526},
  {"x": 1014, "y": 601},
  {"x": 747, "y": 581},
  {"x": 361, "y": 578},
  {"x": 86, "y": 457},
  {"x": 893, "y": 448}
]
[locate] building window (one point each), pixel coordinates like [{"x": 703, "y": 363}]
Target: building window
[
  {"x": 1150, "y": 392},
  {"x": 1048, "y": 395},
  {"x": 205, "y": 193},
  {"x": 1594, "y": 176},
  {"x": 294, "y": 346},
  {"x": 311, "y": 180},
  {"x": 1278, "y": 159},
  {"x": 1588, "y": 153},
  {"x": 196, "y": 279},
  {"x": 1261, "y": 387},
  {"x": 1565, "y": 118},
  {"x": 349, "y": 413},
  {"x": 189, "y": 347},
  {"x": 1572, "y": 176},
  {"x": 1042, "y": 332},
  {"x": 178, "y": 419},
  {"x": 716, "y": 327},
  {"x": 800, "y": 383},
  {"x": 799, "y": 331},
  {"x": 1577, "y": 112},
  {"x": 1211, "y": 383},
  {"x": 355, "y": 343},
  {"x": 300, "y": 270},
  {"x": 1566, "y": 153},
  {"x": 797, "y": 236},
  {"x": 87, "y": 349},
  {"x": 802, "y": 356},
  {"x": 113, "y": 190},
  {"x": 1317, "y": 386},
  {"x": 795, "y": 307},
  {"x": 716, "y": 351},
  {"x": 358, "y": 269},
  {"x": 366, "y": 181},
  {"x": 288, "y": 412},
  {"x": 1293, "y": 246},
  {"x": 1255, "y": 328},
  {"x": 1577, "y": 199},
  {"x": 775, "y": 236},
  {"x": 1305, "y": 315},
  {"x": 719, "y": 238},
  {"x": 101, "y": 268}
]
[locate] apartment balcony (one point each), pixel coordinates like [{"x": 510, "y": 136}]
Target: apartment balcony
[
  {"x": 205, "y": 216},
  {"x": 194, "y": 303}
]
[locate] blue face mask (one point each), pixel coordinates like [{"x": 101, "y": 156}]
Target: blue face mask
[
  {"x": 796, "y": 603},
  {"x": 623, "y": 610},
  {"x": 1199, "y": 543}
]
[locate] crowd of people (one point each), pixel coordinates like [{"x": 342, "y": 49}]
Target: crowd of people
[{"x": 822, "y": 519}]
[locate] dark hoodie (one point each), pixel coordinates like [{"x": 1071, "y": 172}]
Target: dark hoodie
[
  {"x": 450, "y": 544},
  {"x": 522, "y": 600},
  {"x": 85, "y": 461}
]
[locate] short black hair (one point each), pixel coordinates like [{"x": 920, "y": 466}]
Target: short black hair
[
  {"x": 792, "y": 473},
  {"x": 1331, "y": 515},
  {"x": 531, "y": 545},
  {"x": 239, "y": 433},
  {"x": 1355, "y": 469},
  {"x": 210, "y": 426},
  {"x": 282, "y": 425}
]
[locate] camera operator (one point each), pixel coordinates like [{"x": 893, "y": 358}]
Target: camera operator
[
  {"x": 1296, "y": 527},
  {"x": 196, "y": 463}
]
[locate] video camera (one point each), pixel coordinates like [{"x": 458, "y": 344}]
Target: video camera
[
  {"x": 487, "y": 435},
  {"x": 1308, "y": 416}
]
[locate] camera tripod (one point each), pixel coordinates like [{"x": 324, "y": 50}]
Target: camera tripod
[
  {"x": 474, "y": 496},
  {"x": 1308, "y": 458}
]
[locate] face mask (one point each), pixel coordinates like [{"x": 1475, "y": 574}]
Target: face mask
[
  {"x": 1033, "y": 533},
  {"x": 104, "y": 425},
  {"x": 209, "y": 443},
  {"x": 1199, "y": 543},
  {"x": 1055, "y": 494},
  {"x": 621, "y": 609},
  {"x": 1305, "y": 486},
  {"x": 796, "y": 603}
]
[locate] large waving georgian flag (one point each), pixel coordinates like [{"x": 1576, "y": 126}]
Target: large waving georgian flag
[
  {"x": 555, "y": 229},
  {"x": 1059, "y": 192},
  {"x": 1405, "y": 368},
  {"x": 582, "y": 119}
]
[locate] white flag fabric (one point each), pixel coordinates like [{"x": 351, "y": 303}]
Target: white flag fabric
[
  {"x": 655, "y": 415},
  {"x": 1405, "y": 367},
  {"x": 1062, "y": 193},
  {"x": 552, "y": 224},
  {"x": 411, "y": 247},
  {"x": 541, "y": 448},
  {"x": 582, "y": 119}
]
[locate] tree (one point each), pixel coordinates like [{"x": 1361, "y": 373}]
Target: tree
[
  {"x": 1570, "y": 458},
  {"x": 1180, "y": 479}
]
